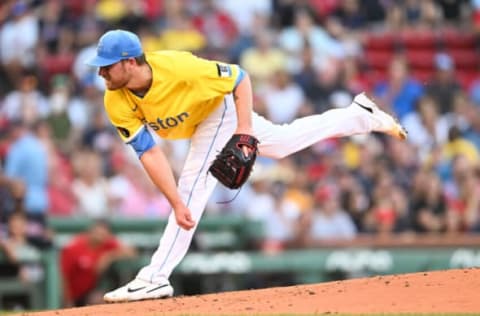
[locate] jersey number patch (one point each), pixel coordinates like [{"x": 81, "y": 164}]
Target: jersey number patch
[{"x": 224, "y": 70}]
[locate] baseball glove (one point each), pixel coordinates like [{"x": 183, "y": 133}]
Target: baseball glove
[{"x": 231, "y": 166}]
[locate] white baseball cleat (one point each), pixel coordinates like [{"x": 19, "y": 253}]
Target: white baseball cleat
[
  {"x": 385, "y": 122},
  {"x": 138, "y": 290}
]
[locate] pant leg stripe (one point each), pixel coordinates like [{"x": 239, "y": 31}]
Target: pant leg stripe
[{"x": 196, "y": 180}]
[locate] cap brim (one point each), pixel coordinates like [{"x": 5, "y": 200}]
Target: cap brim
[{"x": 98, "y": 61}]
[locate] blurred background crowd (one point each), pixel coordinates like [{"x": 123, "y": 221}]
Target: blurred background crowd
[{"x": 59, "y": 156}]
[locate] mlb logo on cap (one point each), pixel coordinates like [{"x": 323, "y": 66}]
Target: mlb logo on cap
[{"x": 115, "y": 46}]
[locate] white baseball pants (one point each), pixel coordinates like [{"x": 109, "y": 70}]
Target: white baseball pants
[{"x": 276, "y": 141}]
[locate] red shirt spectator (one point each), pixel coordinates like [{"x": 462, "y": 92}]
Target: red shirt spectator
[
  {"x": 219, "y": 28},
  {"x": 85, "y": 258}
]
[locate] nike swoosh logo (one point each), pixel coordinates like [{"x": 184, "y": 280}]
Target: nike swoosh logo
[
  {"x": 158, "y": 287},
  {"x": 129, "y": 290},
  {"x": 364, "y": 107}
]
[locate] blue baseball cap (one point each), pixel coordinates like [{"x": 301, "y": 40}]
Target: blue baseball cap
[{"x": 115, "y": 46}]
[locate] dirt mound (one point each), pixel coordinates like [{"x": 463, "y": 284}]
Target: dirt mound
[{"x": 439, "y": 291}]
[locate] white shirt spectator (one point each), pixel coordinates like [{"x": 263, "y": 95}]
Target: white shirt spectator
[
  {"x": 337, "y": 226},
  {"x": 28, "y": 106},
  {"x": 92, "y": 199},
  {"x": 244, "y": 11},
  {"x": 283, "y": 99},
  {"x": 421, "y": 137},
  {"x": 18, "y": 39},
  {"x": 85, "y": 74}
]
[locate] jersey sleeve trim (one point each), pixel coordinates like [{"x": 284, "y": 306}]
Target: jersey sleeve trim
[
  {"x": 240, "y": 76},
  {"x": 142, "y": 141}
]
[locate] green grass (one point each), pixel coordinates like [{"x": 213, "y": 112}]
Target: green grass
[
  {"x": 9, "y": 313},
  {"x": 19, "y": 313},
  {"x": 343, "y": 314}
]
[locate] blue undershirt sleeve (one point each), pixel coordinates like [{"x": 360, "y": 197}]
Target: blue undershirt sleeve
[
  {"x": 241, "y": 74},
  {"x": 142, "y": 142}
]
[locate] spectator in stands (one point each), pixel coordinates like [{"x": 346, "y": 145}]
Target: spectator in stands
[
  {"x": 461, "y": 186},
  {"x": 429, "y": 206},
  {"x": 18, "y": 40},
  {"x": 216, "y": 25},
  {"x": 12, "y": 192},
  {"x": 355, "y": 201},
  {"x": 472, "y": 134},
  {"x": 263, "y": 60},
  {"x": 109, "y": 11},
  {"x": 61, "y": 201},
  {"x": 133, "y": 13},
  {"x": 19, "y": 247},
  {"x": 293, "y": 39},
  {"x": 426, "y": 126},
  {"x": 389, "y": 209},
  {"x": 453, "y": 12},
  {"x": 181, "y": 34},
  {"x": 403, "y": 162},
  {"x": 327, "y": 221},
  {"x": 58, "y": 120},
  {"x": 284, "y": 99},
  {"x": 99, "y": 135},
  {"x": 245, "y": 12},
  {"x": 27, "y": 102},
  {"x": 458, "y": 145},
  {"x": 80, "y": 108},
  {"x": 27, "y": 161},
  {"x": 351, "y": 15},
  {"x": 262, "y": 202},
  {"x": 52, "y": 21},
  {"x": 281, "y": 223},
  {"x": 297, "y": 190},
  {"x": 464, "y": 199},
  {"x": 90, "y": 187},
  {"x": 395, "y": 17},
  {"x": 465, "y": 116},
  {"x": 61, "y": 198},
  {"x": 321, "y": 81},
  {"x": 352, "y": 197},
  {"x": 368, "y": 152},
  {"x": 86, "y": 261},
  {"x": 399, "y": 90},
  {"x": 444, "y": 84},
  {"x": 55, "y": 49},
  {"x": 352, "y": 77},
  {"x": 246, "y": 38},
  {"x": 86, "y": 76},
  {"x": 133, "y": 196}
]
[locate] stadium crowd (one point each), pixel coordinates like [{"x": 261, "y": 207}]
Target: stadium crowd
[{"x": 419, "y": 59}]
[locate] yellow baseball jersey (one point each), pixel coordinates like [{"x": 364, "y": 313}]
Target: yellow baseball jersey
[{"x": 185, "y": 90}]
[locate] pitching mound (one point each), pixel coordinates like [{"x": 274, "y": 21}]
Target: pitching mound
[{"x": 439, "y": 291}]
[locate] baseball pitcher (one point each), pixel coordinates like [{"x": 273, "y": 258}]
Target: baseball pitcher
[{"x": 179, "y": 95}]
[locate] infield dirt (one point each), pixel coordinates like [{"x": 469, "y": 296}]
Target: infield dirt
[{"x": 450, "y": 291}]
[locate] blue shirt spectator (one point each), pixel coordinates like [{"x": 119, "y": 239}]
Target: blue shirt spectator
[
  {"x": 404, "y": 101},
  {"x": 399, "y": 90},
  {"x": 26, "y": 160}
]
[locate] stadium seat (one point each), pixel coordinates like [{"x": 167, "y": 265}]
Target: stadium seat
[
  {"x": 378, "y": 60},
  {"x": 452, "y": 39},
  {"x": 421, "y": 58},
  {"x": 383, "y": 41},
  {"x": 465, "y": 58},
  {"x": 418, "y": 39},
  {"x": 422, "y": 75},
  {"x": 375, "y": 77},
  {"x": 466, "y": 77}
]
